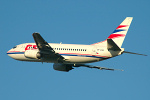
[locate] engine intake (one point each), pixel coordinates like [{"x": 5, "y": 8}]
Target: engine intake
[{"x": 33, "y": 54}]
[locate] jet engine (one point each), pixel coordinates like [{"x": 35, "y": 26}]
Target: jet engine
[
  {"x": 62, "y": 67},
  {"x": 33, "y": 54}
]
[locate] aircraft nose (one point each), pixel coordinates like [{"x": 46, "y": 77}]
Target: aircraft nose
[{"x": 10, "y": 54}]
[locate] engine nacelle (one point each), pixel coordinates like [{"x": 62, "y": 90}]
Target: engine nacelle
[
  {"x": 33, "y": 54},
  {"x": 62, "y": 67}
]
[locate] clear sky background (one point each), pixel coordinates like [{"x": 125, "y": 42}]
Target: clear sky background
[{"x": 76, "y": 22}]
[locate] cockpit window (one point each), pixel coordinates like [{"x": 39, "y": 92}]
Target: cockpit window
[{"x": 14, "y": 47}]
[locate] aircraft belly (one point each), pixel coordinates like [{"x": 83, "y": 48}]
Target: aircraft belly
[{"x": 21, "y": 57}]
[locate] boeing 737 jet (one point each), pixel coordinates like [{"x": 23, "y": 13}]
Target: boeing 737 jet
[{"x": 68, "y": 56}]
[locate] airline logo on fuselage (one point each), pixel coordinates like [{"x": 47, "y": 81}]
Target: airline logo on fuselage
[{"x": 30, "y": 47}]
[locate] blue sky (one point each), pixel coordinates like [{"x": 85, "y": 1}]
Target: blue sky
[{"x": 77, "y": 22}]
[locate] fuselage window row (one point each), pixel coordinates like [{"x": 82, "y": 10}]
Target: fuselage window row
[{"x": 69, "y": 49}]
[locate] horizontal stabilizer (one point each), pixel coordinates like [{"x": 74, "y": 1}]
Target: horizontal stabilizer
[{"x": 134, "y": 53}]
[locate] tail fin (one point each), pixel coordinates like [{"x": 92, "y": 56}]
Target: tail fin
[
  {"x": 115, "y": 40},
  {"x": 119, "y": 33}
]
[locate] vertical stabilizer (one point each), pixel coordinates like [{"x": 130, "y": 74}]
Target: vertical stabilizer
[{"x": 120, "y": 32}]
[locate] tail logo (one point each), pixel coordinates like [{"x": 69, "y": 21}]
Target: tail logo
[
  {"x": 112, "y": 36},
  {"x": 118, "y": 28},
  {"x": 121, "y": 26}
]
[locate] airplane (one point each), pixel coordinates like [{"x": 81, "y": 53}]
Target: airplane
[{"x": 68, "y": 56}]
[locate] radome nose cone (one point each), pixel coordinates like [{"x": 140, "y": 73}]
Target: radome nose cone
[{"x": 8, "y": 53}]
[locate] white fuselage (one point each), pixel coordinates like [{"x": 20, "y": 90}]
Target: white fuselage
[{"x": 72, "y": 53}]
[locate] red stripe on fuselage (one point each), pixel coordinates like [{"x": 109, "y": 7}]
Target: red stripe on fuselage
[{"x": 14, "y": 51}]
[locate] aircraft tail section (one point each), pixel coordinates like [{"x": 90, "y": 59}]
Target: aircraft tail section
[
  {"x": 111, "y": 45},
  {"x": 119, "y": 33}
]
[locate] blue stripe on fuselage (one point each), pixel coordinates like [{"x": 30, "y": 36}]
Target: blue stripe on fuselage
[
  {"x": 63, "y": 55},
  {"x": 81, "y": 55},
  {"x": 15, "y": 53}
]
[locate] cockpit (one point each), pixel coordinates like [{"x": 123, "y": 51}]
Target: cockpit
[{"x": 14, "y": 47}]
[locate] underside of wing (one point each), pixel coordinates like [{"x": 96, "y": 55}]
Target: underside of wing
[
  {"x": 45, "y": 49},
  {"x": 96, "y": 67},
  {"x": 68, "y": 67}
]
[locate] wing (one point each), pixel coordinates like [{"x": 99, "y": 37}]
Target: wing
[
  {"x": 97, "y": 67},
  {"x": 45, "y": 49}
]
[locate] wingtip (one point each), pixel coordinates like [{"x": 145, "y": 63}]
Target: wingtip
[
  {"x": 119, "y": 69},
  {"x": 145, "y": 55},
  {"x": 35, "y": 33},
  {"x": 129, "y": 17}
]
